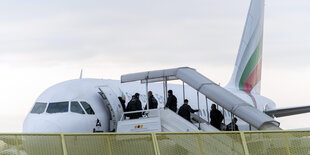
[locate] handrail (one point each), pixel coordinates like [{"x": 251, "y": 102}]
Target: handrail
[{"x": 138, "y": 111}]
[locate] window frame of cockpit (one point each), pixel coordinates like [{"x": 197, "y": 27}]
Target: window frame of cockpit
[
  {"x": 69, "y": 108},
  {"x": 55, "y": 103},
  {"x": 94, "y": 113},
  {"x": 80, "y": 107},
  {"x": 45, "y": 108}
]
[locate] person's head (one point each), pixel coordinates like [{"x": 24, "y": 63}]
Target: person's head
[
  {"x": 137, "y": 95},
  {"x": 150, "y": 93},
  {"x": 185, "y": 101},
  {"x": 235, "y": 120},
  {"x": 170, "y": 92},
  {"x": 133, "y": 97},
  {"x": 213, "y": 106}
]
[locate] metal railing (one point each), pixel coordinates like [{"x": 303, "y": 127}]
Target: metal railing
[
  {"x": 145, "y": 113},
  {"x": 249, "y": 142}
]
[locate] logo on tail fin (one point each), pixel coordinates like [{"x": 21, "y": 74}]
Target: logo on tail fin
[
  {"x": 248, "y": 66},
  {"x": 251, "y": 75}
]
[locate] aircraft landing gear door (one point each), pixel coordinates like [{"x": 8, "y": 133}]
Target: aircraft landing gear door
[{"x": 113, "y": 104}]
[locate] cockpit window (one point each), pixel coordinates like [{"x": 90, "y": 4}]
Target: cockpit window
[
  {"x": 57, "y": 107},
  {"x": 75, "y": 107},
  {"x": 38, "y": 108},
  {"x": 87, "y": 108}
]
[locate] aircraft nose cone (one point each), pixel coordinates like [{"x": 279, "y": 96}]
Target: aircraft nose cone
[{"x": 40, "y": 126}]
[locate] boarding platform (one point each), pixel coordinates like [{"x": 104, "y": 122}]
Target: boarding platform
[{"x": 161, "y": 120}]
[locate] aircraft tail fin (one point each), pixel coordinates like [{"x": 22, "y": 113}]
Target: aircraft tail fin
[{"x": 248, "y": 66}]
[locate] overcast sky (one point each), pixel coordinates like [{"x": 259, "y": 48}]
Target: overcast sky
[{"x": 46, "y": 42}]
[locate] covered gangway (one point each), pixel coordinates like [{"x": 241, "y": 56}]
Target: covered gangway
[{"x": 214, "y": 92}]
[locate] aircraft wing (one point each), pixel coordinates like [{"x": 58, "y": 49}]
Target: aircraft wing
[{"x": 281, "y": 112}]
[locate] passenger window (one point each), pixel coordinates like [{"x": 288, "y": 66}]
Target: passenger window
[
  {"x": 38, "y": 108},
  {"x": 57, "y": 107},
  {"x": 87, "y": 108},
  {"x": 75, "y": 107}
]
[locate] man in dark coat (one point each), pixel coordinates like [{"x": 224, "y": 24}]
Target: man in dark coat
[
  {"x": 171, "y": 101},
  {"x": 186, "y": 110},
  {"x": 152, "y": 101},
  {"x": 232, "y": 126},
  {"x": 134, "y": 105},
  {"x": 216, "y": 117},
  {"x": 130, "y": 106}
]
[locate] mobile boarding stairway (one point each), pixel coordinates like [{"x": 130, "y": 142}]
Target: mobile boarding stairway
[
  {"x": 164, "y": 120},
  {"x": 161, "y": 120}
]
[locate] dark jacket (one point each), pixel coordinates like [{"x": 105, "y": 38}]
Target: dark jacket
[
  {"x": 172, "y": 103},
  {"x": 229, "y": 127},
  {"x": 134, "y": 105},
  {"x": 152, "y": 103},
  {"x": 185, "y": 112},
  {"x": 216, "y": 118}
]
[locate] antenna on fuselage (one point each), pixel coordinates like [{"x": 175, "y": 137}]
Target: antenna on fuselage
[{"x": 81, "y": 74}]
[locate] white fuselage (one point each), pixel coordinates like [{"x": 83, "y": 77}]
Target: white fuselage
[{"x": 53, "y": 118}]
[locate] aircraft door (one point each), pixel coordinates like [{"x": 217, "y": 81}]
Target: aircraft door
[{"x": 113, "y": 104}]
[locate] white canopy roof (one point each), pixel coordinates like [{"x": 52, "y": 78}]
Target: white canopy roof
[{"x": 152, "y": 76}]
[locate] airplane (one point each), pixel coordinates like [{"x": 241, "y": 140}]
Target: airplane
[{"x": 80, "y": 105}]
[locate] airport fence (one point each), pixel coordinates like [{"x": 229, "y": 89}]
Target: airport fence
[{"x": 233, "y": 143}]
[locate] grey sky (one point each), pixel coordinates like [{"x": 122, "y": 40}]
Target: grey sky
[{"x": 46, "y": 42}]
